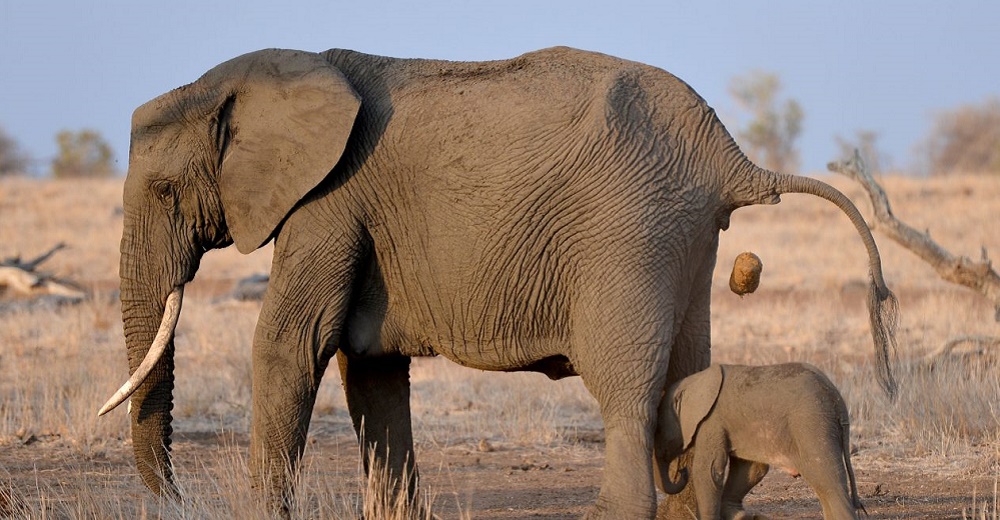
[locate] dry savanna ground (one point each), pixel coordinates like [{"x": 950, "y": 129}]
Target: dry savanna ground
[{"x": 498, "y": 445}]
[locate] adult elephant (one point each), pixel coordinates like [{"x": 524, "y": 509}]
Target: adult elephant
[{"x": 557, "y": 212}]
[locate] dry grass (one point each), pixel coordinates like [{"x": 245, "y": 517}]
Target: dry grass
[
  {"x": 982, "y": 507},
  {"x": 58, "y": 365},
  {"x": 220, "y": 489}
]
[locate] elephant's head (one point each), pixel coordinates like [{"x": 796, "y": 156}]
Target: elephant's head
[
  {"x": 222, "y": 160},
  {"x": 683, "y": 409}
]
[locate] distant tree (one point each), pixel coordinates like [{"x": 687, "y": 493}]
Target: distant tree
[
  {"x": 866, "y": 143},
  {"x": 964, "y": 140},
  {"x": 769, "y": 137},
  {"x": 82, "y": 154},
  {"x": 12, "y": 160}
]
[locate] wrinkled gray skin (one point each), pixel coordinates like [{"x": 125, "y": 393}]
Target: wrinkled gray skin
[
  {"x": 738, "y": 420},
  {"x": 557, "y": 212}
]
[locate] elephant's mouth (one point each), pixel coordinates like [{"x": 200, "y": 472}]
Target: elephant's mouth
[{"x": 171, "y": 311}]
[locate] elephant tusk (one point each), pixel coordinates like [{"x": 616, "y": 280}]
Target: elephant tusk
[{"x": 171, "y": 311}]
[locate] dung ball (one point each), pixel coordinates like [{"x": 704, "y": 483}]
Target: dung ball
[{"x": 746, "y": 273}]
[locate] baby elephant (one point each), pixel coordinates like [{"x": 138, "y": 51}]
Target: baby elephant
[{"x": 746, "y": 417}]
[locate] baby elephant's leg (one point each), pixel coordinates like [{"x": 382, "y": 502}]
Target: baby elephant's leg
[
  {"x": 743, "y": 476},
  {"x": 827, "y": 476},
  {"x": 708, "y": 476}
]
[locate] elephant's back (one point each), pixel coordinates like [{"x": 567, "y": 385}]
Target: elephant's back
[{"x": 558, "y": 68}]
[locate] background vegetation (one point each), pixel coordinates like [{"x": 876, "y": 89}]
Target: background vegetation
[
  {"x": 768, "y": 138},
  {"x": 965, "y": 139}
]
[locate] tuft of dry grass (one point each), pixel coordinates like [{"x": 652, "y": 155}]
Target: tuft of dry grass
[
  {"x": 380, "y": 500},
  {"x": 984, "y": 508}
]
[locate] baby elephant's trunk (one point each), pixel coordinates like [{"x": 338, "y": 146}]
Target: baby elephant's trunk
[{"x": 672, "y": 488}]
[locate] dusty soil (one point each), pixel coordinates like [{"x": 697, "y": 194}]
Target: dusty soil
[{"x": 488, "y": 481}]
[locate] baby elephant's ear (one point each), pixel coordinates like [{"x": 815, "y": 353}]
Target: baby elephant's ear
[{"x": 697, "y": 395}]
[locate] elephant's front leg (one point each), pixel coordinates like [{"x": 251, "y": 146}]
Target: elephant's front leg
[
  {"x": 378, "y": 398},
  {"x": 743, "y": 476},
  {"x": 286, "y": 377},
  {"x": 708, "y": 472},
  {"x": 298, "y": 330}
]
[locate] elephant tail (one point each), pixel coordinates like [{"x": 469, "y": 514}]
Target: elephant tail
[
  {"x": 883, "y": 308},
  {"x": 846, "y": 451}
]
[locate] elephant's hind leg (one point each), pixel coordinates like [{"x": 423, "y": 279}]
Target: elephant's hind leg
[
  {"x": 826, "y": 474},
  {"x": 627, "y": 490},
  {"x": 626, "y": 370},
  {"x": 690, "y": 353}
]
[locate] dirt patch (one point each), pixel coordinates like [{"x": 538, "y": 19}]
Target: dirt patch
[{"x": 495, "y": 481}]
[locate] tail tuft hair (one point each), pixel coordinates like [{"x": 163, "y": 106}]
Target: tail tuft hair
[{"x": 883, "y": 309}]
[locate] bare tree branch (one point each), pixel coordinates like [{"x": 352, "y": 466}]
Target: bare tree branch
[
  {"x": 979, "y": 276},
  {"x": 22, "y": 278},
  {"x": 980, "y": 345},
  {"x": 32, "y": 264}
]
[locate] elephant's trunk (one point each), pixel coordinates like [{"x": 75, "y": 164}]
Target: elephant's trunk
[
  {"x": 149, "y": 340},
  {"x": 761, "y": 186}
]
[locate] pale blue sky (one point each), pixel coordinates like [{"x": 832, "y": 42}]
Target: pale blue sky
[{"x": 886, "y": 66}]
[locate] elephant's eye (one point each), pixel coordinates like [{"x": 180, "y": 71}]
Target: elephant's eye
[{"x": 164, "y": 191}]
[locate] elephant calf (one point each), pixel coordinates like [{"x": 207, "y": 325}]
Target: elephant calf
[{"x": 748, "y": 417}]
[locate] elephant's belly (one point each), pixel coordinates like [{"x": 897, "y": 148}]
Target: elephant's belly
[
  {"x": 761, "y": 441},
  {"x": 531, "y": 354},
  {"x": 372, "y": 334},
  {"x": 555, "y": 367},
  {"x": 506, "y": 355},
  {"x": 423, "y": 319}
]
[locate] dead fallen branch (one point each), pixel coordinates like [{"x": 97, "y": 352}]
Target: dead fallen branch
[
  {"x": 31, "y": 265},
  {"x": 964, "y": 346},
  {"x": 979, "y": 276},
  {"x": 22, "y": 277}
]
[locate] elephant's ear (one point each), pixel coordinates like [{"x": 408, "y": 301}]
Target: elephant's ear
[
  {"x": 695, "y": 397},
  {"x": 281, "y": 129}
]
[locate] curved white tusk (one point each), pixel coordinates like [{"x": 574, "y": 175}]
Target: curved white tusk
[{"x": 171, "y": 311}]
